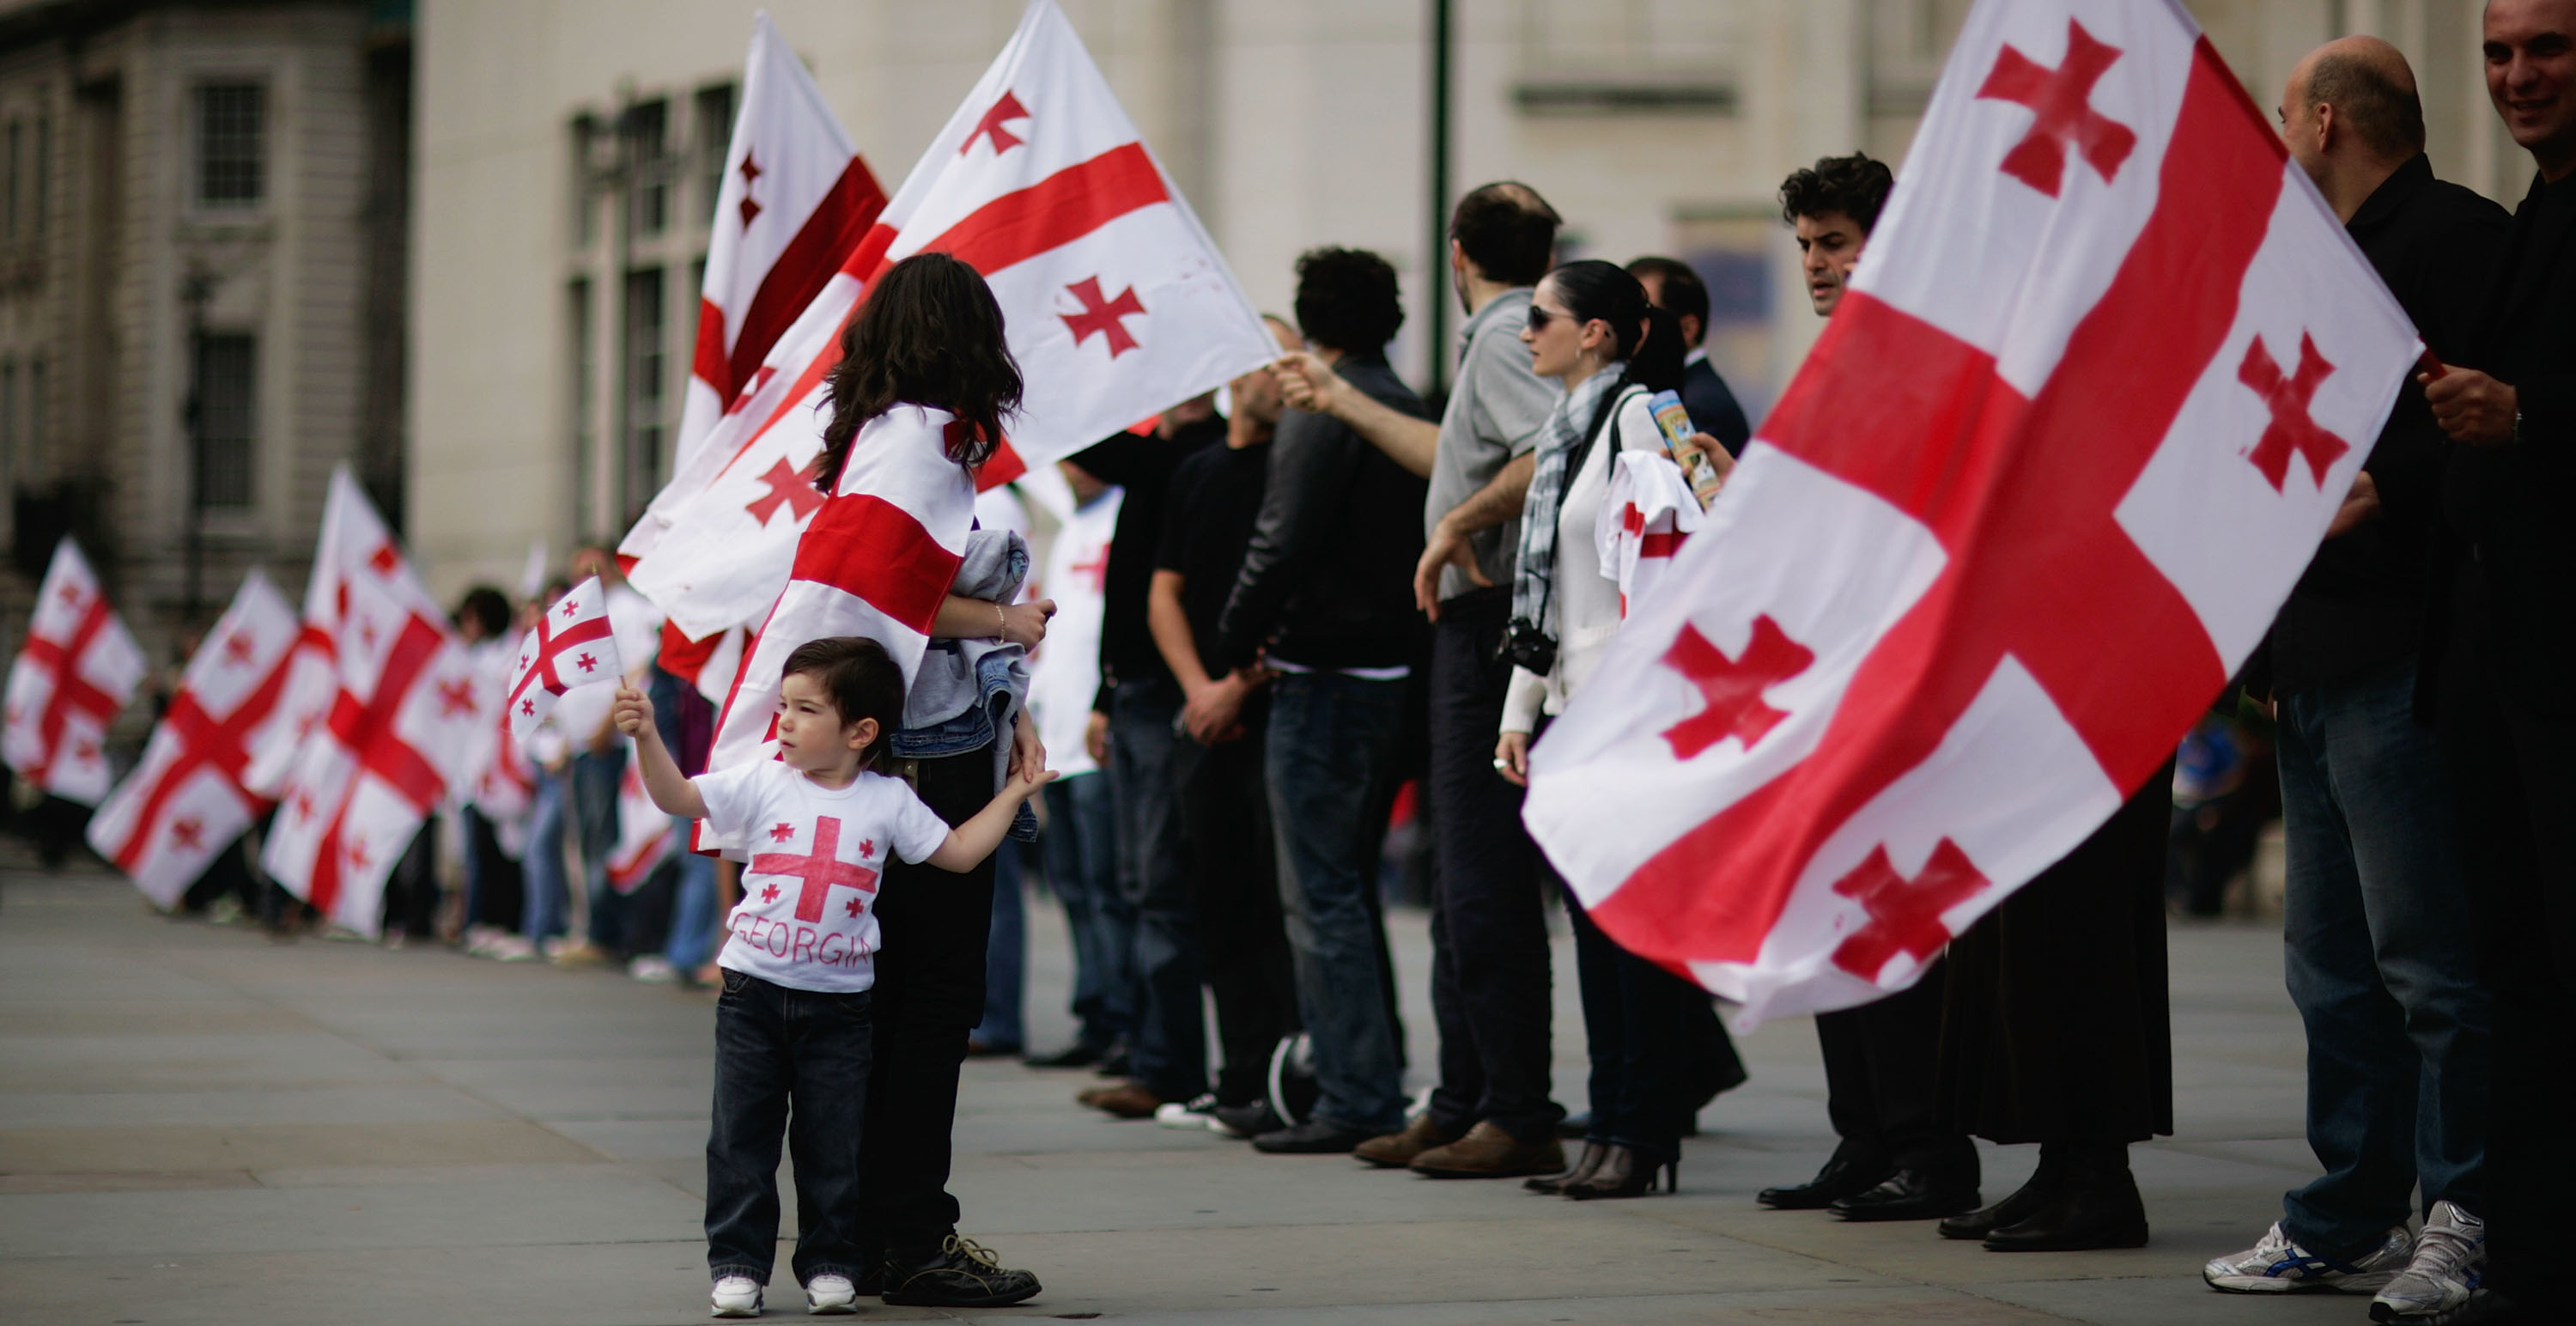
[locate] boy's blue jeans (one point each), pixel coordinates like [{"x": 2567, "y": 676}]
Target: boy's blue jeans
[{"x": 776, "y": 1047}]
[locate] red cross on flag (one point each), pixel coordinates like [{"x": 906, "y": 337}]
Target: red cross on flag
[
  {"x": 2006, "y": 534},
  {"x": 187, "y": 800},
  {"x": 73, "y": 675},
  {"x": 402, "y": 717},
  {"x": 571, "y": 645},
  {"x": 1117, "y": 303}
]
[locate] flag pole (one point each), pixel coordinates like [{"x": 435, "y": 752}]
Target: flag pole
[{"x": 1436, "y": 274}]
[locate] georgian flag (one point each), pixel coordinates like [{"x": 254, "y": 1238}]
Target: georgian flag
[
  {"x": 186, "y": 801},
  {"x": 2106, "y": 372},
  {"x": 644, "y": 836},
  {"x": 1117, "y": 305},
  {"x": 400, "y": 717},
  {"x": 74, "y": 674},
  {"x": 571, "y": 645}
]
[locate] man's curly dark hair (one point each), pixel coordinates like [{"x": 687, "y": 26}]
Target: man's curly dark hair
[
  {"x": 1347, "y": 299},
  {"x": 1855, "y": 186}
]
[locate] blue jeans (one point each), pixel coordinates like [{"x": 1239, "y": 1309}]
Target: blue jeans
[
  {"x": 594, "y": 814},
  {"x": 778, "y": 1047},
  {"x": 1333, "y": 748},
  {"x": 549, "y": 893},
  {"x": 1005, "y": 953},
  {"x": 694, "y": 914},
  {"x": 1081, "y": 847},
  {"x": 2381, "y": 964},
  {"x": 1168, "y": 1048}
]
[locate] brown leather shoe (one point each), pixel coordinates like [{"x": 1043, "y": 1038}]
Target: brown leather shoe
[
  {"x": 1487, "y": 1152},
  {"x": 1397, "y": 1150},
  {"x": 1128, "y": 1100}
]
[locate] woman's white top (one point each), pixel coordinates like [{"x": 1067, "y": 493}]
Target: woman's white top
[{"x": 1583, "y": 606}]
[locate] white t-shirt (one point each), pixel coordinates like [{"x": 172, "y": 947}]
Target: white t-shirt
[{"x": 806, "y": 919}]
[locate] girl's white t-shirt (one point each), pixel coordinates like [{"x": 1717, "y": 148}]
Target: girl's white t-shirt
[{"x": 807, "y": 919}]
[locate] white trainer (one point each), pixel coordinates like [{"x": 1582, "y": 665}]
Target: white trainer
[
  {"x": 829, "y": 1295},
  {"x": 736, "y": 1296},
  {"x": 2279, "y": 1266},
  {"x": 2450, "y": 1259},
  {"x": 1195, "y": 1114}
]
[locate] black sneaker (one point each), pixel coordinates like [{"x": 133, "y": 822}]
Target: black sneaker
[
  {"x": 963, "y": 1274},
  {"x": 1316, "y": 1137},
  {"x": 1241, "y": 1121}
]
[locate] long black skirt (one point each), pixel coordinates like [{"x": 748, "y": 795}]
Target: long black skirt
[{"x": 2056, "y": 1026}]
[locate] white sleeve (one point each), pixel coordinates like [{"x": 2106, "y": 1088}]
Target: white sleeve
[
  {"x": 734, "y": 796},
  {"x": 1636, "y": 424},
  {"x": 1522, "y": 699},
  {"x": 915, "y": 829}
]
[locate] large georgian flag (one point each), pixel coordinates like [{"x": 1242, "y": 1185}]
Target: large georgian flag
[
  {"x": 75, "y": 672},
  {"x": 187, "y": 800},
  {"x": 1118, "y": 305},
  {"x": 401, "y": 717},
  {"x": 2103, "y": 376}
]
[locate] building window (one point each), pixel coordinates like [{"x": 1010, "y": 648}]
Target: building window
[
  {"x": 227, "y": 388},
  {"x": 232, "y": 136},
  {"x": 714, "y": 139},
  {"x": 648, "y": 190},
  {"x": 8, "y": 422},
  {"x": 641, "y": 359},
  {"x": 38, "y": 403},
  {"x": 44, "y": 171},
  {"x": 17, "y": 171},
  {"x": 583, "y": 364}
]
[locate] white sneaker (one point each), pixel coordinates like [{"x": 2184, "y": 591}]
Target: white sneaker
[
  {"x": 829, "y": 1295},
  {"x": 511, "y": 948},
  {"x": 653, "y": 969},
  {"x": 736, "y": 1296},
  {"x": 2450, "y": 1259},
  {"x": 1195, "y": 1114},
  {"x": 2278, "y": 1266}
]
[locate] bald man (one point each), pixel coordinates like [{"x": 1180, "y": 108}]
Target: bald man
[{"x": 2381, "y": 957}]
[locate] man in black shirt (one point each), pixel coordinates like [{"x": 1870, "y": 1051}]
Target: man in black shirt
[
  {"x": 1167, "y": 1052},
  {"x": 1222, "y": 803},
  {"x": 2381, "y": 961},
  {"x": 1325, "y": 598}
]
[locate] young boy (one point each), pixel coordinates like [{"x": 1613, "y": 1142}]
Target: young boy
[{"x": 799, "y": 955}]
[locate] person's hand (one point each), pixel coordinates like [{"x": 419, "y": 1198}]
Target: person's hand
[
  {"x": 2470, "y": 406},
  {"x": 1025, "y": 624},
  {"x": 1095, "y": 737},
  {"x": 1028, "y": 754},
  {"x": 2361, "y": 504},
  {"x": 1444, "y": 549},
  {"x": 1307, "y": 382},
  {"x": 1214, "y": 713},
  {"x": 1511, "y": 758},
  {"x": 1718, "y": 458},
  {"x": 631, "y": 713}
]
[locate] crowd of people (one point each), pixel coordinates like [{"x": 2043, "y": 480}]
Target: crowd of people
[{"x": 1332, "y": 590}]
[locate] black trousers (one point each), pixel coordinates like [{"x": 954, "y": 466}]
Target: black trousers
[
  {"x": 929, "y": 994},
  {"x": 1233, "y": 873},
  {"x": 1882, "y": 1077},
  {"x": 1489, "y": 952},
  {"x": 792, "y": 1064},
  {"x": 2515, "y": 791}
]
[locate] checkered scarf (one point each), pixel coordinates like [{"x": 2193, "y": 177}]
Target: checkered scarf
[{"x": 1579, "y": 414}]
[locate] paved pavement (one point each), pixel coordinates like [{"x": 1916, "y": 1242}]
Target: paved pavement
[{"x": 200, "y": 1125}]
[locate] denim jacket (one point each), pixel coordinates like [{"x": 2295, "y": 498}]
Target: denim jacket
[{"x": 968, "y": 692}]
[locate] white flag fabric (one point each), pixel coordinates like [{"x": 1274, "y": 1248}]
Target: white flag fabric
[
  {"x": 1064, "y": 675},
  {"x": 1646, "y": 517},
  {"x": 1117, "y": 304},
  {"x": 2070, "y": 438},
  {"x": 644, "y": 836},
  {"x": 75, "y": 672},
  {"x": 186, "y": 802},
  {"x": 572, "y": 644},
  {"x": 403, "y": 720}
]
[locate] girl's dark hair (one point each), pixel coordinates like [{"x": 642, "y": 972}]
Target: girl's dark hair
[
  {"x": 488, "y": 608},
  {"x": 929, "y": 334},
  {"x": 862, "y": 680},
  {"x": 1649, "y": 338}
]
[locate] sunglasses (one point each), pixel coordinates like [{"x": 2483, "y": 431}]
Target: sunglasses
[{"x": 1540, "y": 317}]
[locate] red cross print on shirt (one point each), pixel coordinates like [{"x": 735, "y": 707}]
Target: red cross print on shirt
[
  {"x": 2062, "y": 115},
  {"x": 72, "y": 693},
  {"x": 1096, "y": 570},
  {"x": 1731, "y": 688},
  {"x": 788, "y": 487},
  {"x": 1904, "y": 914},
  {"x": 750, "y": 171},
  {"x": 207, "y": 742},
  {"x": 821, "y": 871},
  {"x": 551, "y": 647},
  {"x": 366, "y": 728},
  {"x": 2036, "y": 568},
  {"x": 1003, "y": 111},
  {"x": 2293, "y": 429},
  {"x": 1102, "y": 315}
]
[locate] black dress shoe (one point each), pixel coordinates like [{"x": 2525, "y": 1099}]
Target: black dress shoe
[
  {"x": 1315, "y": 1137},
  {"x": 1913, "y": 1193},
  {"x": 1850, "y": 1171},
  {"x": 1076, "y": 1055},
  {"x": 2096, "y": 1206},
  {"x": 1114, "y": 1063},
  {"x": 2024, "y": 1202}
]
